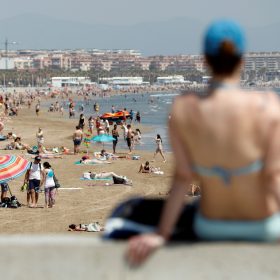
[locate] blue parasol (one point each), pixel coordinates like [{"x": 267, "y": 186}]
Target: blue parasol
[{"x": 102, "y": 138}]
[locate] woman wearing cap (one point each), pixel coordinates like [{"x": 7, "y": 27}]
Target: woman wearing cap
[{"x": 229, "y": 140}]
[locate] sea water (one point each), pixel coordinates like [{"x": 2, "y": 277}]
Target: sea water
[{"x": 154, "y": 110}]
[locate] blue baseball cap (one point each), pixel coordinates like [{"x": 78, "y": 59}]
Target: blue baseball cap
[{"x": 224, "y": 30}]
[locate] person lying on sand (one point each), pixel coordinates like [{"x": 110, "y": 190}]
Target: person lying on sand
[
  {"x": 92, "y": 227},
  {"x": 87, "y": 160},
  {"x": 118, "y": 179},
  {"x": 103, "y": 155}
]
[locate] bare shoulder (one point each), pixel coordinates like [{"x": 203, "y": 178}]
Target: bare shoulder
[{"x": 183, "y": 104}]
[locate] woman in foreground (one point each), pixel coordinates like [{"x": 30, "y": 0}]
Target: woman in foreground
[{"x": 229, "y": 140}]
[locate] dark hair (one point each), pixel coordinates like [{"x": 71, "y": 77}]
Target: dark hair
[
  {"x": 226, "y": 61},
  {"x": 78, "y": 127},
  {"x": 115, "y": 126},
  {"x": 147, "y": 163},
  {"x": 158, "y": 137},
  {"x": 46, "y": 165}
]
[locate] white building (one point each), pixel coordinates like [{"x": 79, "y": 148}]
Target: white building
[
  {"x": 177, "y": 79},
  {"x": 123, "y": 81},
  {"x": 8, "y": 63},
  {"x": 70, "y": 81}
]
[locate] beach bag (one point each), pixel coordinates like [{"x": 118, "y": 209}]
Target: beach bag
[
  {"x": 56, "y": 182},
  {"x": 118, "y": 180},
  {"x": 23, "y": 187},
  {"x": 142, "y": 215}
]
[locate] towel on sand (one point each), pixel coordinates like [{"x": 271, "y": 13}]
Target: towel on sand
[{"x": 95, "y": 179}]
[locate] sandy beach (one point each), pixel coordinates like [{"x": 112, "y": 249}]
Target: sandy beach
[{"x": 94, "y": 201}]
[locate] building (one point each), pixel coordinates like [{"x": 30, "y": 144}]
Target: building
[
  {"x": 123, "y": 81},
  {"x": 177, "y": 79},
  {"x": 70, "y": 81}
]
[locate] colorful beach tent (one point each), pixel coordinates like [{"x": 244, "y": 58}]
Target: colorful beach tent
[{"x": 11, "y": 167}]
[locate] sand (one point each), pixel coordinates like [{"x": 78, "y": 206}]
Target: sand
[{"x": 91, "y": 203}]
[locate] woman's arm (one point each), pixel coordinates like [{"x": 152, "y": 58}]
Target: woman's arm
[{"x": 140, "y": 247}]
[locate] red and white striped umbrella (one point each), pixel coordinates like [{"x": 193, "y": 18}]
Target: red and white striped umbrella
[{"x": 11, "y": 167}]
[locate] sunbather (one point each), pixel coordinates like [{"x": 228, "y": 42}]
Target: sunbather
[
  {"x": 118, "y": 179},
  {"x": 146, "y": 168},
  {"x": 92, "y": 227}
]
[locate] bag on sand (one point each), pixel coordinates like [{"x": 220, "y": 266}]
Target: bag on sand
[
  {"x": 141, "y": 215},
  {"x": 118, "y": 180}
]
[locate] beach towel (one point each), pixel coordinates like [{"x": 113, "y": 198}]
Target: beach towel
[
  {"x": 71, "y": 188},
  {"x": 92, "y": 163},
  {"x": 79, "y": 163},
  {"x": 95, "y": 179},
  {"x": 141, "y": 215}
]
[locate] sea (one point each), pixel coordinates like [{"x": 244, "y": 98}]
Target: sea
[{"x": 154, "y": 110}]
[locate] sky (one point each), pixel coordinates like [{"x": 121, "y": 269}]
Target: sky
[{"x": 129, "y": 12}]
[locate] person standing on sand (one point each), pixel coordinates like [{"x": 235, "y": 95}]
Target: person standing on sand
[
  {"x": 49, "y": 185},
  {"x": 33, "y": 178},
  {"x": 40, "y": 136},
  {"x": 115, "y": 135},
  {"x": 4, "y": 190},
  {"x": 129, "y": 137},
  {"x": 37, "y": 109},
  {"x": 77, "y": 139},
  {"x": 159, "y": 148}
]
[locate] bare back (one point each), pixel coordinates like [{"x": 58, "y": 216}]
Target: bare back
[{"x": 230, "y": 129}]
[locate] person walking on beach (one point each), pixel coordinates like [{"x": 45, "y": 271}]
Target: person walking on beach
[
  {"x": 129, "y": 137},
  {"x": 33, "y": 178},
  {"x": 90, "y": 124},
  {"x": 159, "y": 148},
  {"x": 138, "y": 117},
  {"x": 49, "y": 184},
  {"x": 82, "y": 121},
  {"x": 107, "y": 126},
  {"x": 40, "y": 136},
  {"x": 37, "y": 109},
  {"x": 124, "y": 128},
  {"x": 77, "y": 139},
  {"x": 229, "y": 140},
  {"x": 115, "y": 135}
]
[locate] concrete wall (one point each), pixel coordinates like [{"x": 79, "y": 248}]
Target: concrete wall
[{"x": 78, "y": 256}]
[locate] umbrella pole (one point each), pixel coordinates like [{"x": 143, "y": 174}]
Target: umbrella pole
[{"x": 10, "y": 191}]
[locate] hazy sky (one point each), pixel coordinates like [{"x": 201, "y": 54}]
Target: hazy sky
[{"x": 127, "y": 12}]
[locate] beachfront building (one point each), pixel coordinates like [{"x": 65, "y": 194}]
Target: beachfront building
[
  {"x": 23, "y": 63},
  {"x": 269, "y": 61},
  {"x": 70, "y": 81},
  {"x": 176, "y": 79},
  {"x": 123, "y": 81}
]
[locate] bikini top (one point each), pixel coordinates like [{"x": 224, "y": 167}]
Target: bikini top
[{"x": 226, "y": 174}]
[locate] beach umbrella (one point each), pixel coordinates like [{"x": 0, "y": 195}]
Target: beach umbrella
[
  {"x": 102, "y": 138},
  {"x": 11, "y": 167}
]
